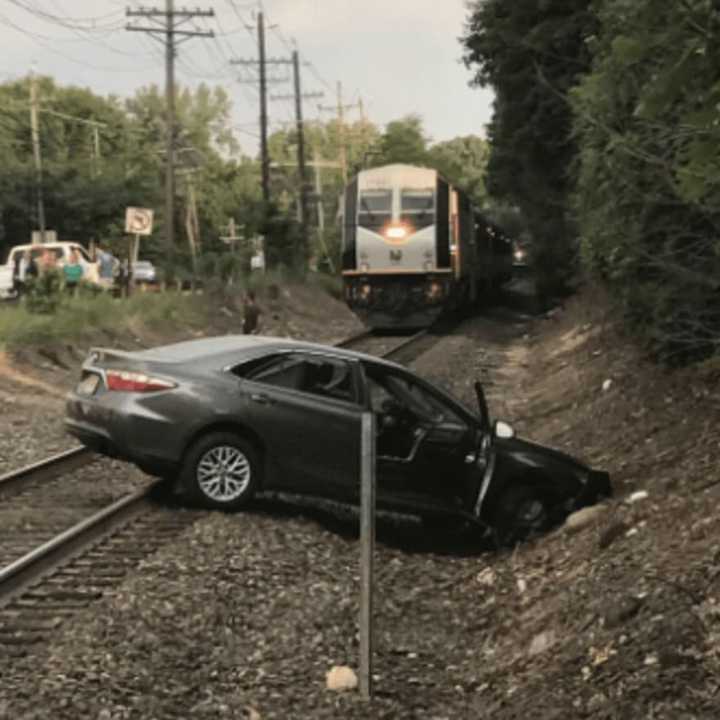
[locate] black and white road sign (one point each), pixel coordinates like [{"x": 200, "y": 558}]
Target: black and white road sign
[{"x": 138, "y": 221}]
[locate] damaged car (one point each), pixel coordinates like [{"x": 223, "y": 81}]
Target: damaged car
[{"x": 232, "y": 416}]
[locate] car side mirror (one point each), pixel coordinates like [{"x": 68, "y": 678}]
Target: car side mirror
[{"x": 503, "y": 430}]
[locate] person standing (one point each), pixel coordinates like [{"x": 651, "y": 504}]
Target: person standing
[
  {"x": 251, "y": 319},
  {"x": 106, "y": 267},
  {"x": 73, "y": 271}
]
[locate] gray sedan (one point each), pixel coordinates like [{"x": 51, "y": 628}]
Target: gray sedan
[{"x": 233, "y": 415}]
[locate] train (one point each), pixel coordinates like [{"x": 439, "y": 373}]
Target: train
[{"x": 415, "y": 247}]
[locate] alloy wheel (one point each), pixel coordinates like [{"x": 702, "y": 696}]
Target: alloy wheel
[{"x": 223, "y": 473}]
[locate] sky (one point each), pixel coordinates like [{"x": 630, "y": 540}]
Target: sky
[{"x": 398, "y": 56}]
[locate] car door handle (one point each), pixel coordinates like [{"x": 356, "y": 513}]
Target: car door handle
[{"x": 262, "y": 399}]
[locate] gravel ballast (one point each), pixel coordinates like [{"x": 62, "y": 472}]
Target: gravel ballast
[{"x": 244, "y": 614}]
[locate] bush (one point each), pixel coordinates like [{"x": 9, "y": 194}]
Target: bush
[{"x": 43, "y": 293}]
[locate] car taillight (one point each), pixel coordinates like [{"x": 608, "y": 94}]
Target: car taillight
[{"x": 124, "y": 381}]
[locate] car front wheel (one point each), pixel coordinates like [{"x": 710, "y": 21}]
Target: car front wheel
[
  {"x": 522, "y": 512},
  {"x": 221, "y": 470}
]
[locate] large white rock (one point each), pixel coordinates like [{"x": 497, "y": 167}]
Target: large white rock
[
  {"x": 582, "y": 518},
  {"x": 341, "y": 677}
]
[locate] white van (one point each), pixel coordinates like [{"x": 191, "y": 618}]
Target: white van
[{"x": 61, "y": 251}]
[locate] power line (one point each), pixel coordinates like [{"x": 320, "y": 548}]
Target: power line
[{"x": 41, "y": 41}]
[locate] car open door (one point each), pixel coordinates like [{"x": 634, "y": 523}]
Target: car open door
[{"x": 424, "y": 444}]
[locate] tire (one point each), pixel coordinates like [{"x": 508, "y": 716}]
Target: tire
[
  {"x": 522, "y": 512},
  {"x": 221, "y": 471}
]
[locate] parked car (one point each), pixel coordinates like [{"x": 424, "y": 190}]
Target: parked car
[
  {"x": 143, "y": 272},
  {"x": 233, "y": 415},
  {"x": 59, "y": 251}
]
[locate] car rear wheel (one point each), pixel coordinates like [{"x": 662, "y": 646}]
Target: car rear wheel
[
  {"x": 522, "y": 512},
  {"x": 221, "y": 470}
]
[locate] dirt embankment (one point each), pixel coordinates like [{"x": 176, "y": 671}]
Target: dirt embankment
[
  {"x": 34, "y": 380},
  {"x": 617, "y": 619}
]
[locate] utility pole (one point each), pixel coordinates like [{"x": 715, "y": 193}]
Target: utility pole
[
  {"x": 234, "y": 234},
  {"x": 35, "y": 131},
  {"x": 318, "y": 164},
  {"x": 301, "y": 150},
  {"x": 298, "y": 97},
  {"x": 340, "y": 109},
  {"x": 264, "y": 166},
  {"x": 262, "y": 62},
  {"x": 166, "y": 30}
]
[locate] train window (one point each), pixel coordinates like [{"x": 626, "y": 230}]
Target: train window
[
  {"x": 417, "y": 207},
  {"x": 375, "y": 208}
]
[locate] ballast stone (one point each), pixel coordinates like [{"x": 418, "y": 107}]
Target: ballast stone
[{"x": 341, "y": 677}]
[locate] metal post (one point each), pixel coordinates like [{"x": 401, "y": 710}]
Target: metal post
[
  {"x": 367, "y": 548},
  {"x": 35, "y": 130},
  {"x": 264, "y": 158},
  {"x": 170, "y": 139}
]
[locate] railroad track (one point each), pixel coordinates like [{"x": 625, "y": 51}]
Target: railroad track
[{"x": 66, "y": 536}]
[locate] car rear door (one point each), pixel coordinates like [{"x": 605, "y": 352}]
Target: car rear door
[{"x": 304, "y": 406}]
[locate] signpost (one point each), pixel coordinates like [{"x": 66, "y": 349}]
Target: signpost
[
  {"x": 367, "y": 549},
  {"x": 138, "y": 221}
]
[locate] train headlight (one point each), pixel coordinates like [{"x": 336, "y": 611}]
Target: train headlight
[
  {"x": 396, "y": 233},
  {"x": 519, "y": 255}
]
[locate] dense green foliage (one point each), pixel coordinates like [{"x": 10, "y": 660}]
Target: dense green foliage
[
  {"x": 85, "y": 196},
  {"x": 532, "y": 52},
  {"x": 648, "y": 195},
  {"x": 606, "y": 136}
]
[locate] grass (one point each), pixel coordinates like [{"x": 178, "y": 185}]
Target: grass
[
  {"x": 80, "y": 320},
  {"x": 83, "y": 318}
]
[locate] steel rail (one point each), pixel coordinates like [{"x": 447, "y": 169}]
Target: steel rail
[
  {"x": 49, "y": 468},
  {"x": 354, "y": 338},
  {"x": 30, "y": 567},
  {"x": 405, "y": 344}
]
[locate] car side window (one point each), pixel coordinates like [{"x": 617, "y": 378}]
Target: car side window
[
  {"x": 384, "y": 385},
  {"x": 280, "y": 370},
  {"x": 314, "y": 374},
  {"x": 82, "y": 252},
  {"x": 328, "y": 377}
]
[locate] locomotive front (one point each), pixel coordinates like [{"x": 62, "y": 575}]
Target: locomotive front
[{"x": 397, "y": 266}]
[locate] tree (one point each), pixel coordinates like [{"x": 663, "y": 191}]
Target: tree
[
  {"x": 648, "y": 194},
  {"x": 463, "y": 161},
  {"x": 532, "y": 52},
  {"x": 402, "y": 142}
]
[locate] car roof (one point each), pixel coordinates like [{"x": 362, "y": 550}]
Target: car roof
[
  {"x": 50, "y": 245},
  {"x": 225, "y": 349}
]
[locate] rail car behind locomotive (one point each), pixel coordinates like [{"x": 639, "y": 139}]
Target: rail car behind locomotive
[{"x": 414, "y": 246}]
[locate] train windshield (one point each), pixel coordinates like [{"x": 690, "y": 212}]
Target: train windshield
[
  {"x": 417, "y": 207},
  {"x": 375, "y": 209}
]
